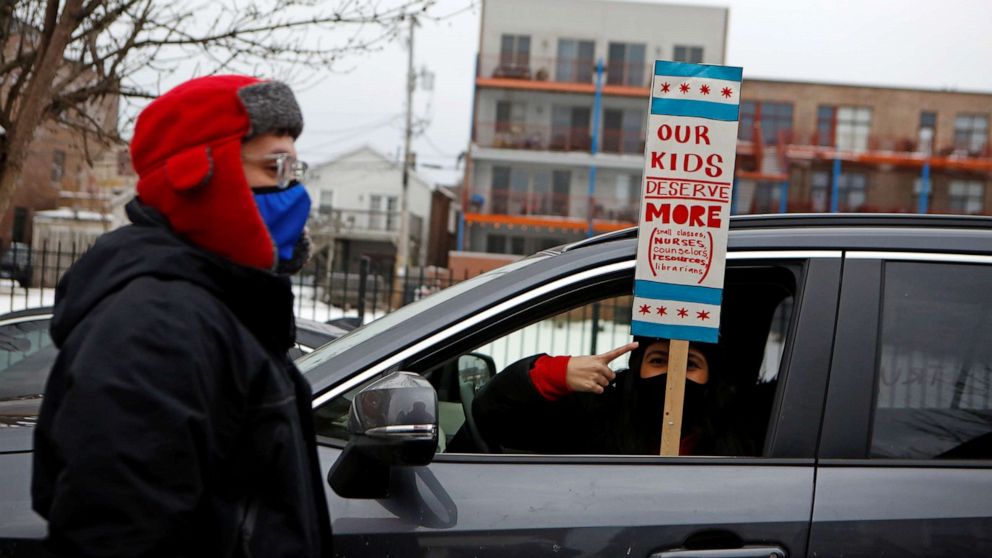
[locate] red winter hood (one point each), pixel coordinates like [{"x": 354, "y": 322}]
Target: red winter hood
[{"x": 187, "y": 153}]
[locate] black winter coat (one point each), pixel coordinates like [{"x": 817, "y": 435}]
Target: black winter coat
[
  {"x": 511, "y": 415},
  {"x": 173, "y": 423}
]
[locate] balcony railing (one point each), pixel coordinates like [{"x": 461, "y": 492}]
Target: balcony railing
[
  {"x": 520, "y": 135},
  {"x": 549, "y": 204},
  {"x": 877, "y": 142},
  {"x": 563, "y": 70},
  {"x": 342, "y": 221}
]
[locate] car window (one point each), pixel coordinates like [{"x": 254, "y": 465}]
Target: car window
[
  {"x": 934, "y": 381},
  {"x": 757, "y": 314},
  {"x": 26, "y": 356}
]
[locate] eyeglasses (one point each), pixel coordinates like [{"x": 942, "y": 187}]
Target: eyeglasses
[{"x": 288, "y": 168}]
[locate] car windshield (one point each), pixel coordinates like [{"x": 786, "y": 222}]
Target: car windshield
[{"x": 386, "y": 322}]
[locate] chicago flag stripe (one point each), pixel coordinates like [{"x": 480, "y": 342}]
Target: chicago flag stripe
[
  {"x": 676, "y": 312},
  {"x": 696, "y": 89}
]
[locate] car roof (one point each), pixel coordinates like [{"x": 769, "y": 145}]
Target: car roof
[{"x": 855, "y": 231}]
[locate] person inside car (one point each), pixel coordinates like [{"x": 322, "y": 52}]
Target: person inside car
[{"x": 578, "y": 405}]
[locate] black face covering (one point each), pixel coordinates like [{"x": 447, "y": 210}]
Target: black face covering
[{"x": 648, "y": 408}]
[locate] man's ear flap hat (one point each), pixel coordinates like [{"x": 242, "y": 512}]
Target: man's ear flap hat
[{"x": 187, "y": 153}]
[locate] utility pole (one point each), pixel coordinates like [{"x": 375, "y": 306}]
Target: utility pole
[{"x": 403, "y": 245}]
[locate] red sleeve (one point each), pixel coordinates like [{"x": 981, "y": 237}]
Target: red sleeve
[{"x": 548, "y": 376}]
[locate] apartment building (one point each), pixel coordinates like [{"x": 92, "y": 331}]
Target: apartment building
[
  {"x": 822, "y": 147},
  {"x": 561, "y": 95}
]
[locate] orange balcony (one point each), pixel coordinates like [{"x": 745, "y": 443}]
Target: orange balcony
[
  {"x": 523, "y": 135},
  {"x": 567, "y": 75}
]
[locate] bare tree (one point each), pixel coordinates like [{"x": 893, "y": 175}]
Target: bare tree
[{"x": 72, "y": 61}]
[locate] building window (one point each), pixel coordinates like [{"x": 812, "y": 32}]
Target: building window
[
  {"x": 966, "y": 196},
  {"x": 820, "y": 192},
  {"x": 517, "y": 245},
  {"x": 626, "y": 64},
  {"x": 928, "y": 129},
  {"x": 509, "y": 116},
  {"x": 826, "y": 121},
  {"x": 575, "y": 61},
  {"x": 971, "y": 132},
  {"x": 852, "y": 191},
  {"x": 514, "y": 56},
  {"x": 383, "y": 215},
  {"x": 561, "y": 185},
  {"x": 502, "y": 244},
  {"x": 691, "y": 54},
  {"x": 626, "y": 200},
  {"x": 853, "y": 128},
  {"x": 622, "y": 131},
  {"x": 326, "y": 201},
  {"x": 58, "y": 165},
  {"x": 517, "y": 191},
  {"x": 570, "y": 128},
  {"x": 510, "y": 191},
  {"x": 748, "y": 114},
  {"x": 774, "y": 119},
  {"x": 496, "y": 244},
  {"x": 19, "y": 233}
]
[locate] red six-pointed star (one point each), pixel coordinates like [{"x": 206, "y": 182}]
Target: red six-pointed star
[
  {"x": 645, "y": 309},
  {"x": 703, "y": 315},
  {"x": 727, "y": 92},
  {"x": 662, "y": 311},
  {"x": 704, "y": 89},
  {"x": 665, "y": 87},
  {"x": 683, "y": 312},
  {"x": 684, "y": 88}
]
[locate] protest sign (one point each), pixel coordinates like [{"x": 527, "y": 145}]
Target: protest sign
[
  {"x": 686, "y": 194},
  {"x": 685, "y": 201}
]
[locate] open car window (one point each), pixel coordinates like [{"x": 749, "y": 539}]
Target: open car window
[{"x": 757, "y": 315}]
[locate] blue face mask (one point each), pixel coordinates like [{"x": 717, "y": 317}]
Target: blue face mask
[{"x": 285, "y": 212}]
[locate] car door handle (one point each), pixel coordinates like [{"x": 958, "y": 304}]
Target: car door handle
[{"x": 742, "y": 552}]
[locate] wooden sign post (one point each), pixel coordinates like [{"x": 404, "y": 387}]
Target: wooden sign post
[{"x": 685, "y": 209}]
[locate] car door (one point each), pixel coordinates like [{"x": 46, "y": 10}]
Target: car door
[
  {"x": 906, "y": 455},
  {"x": 485, "y": 504}
]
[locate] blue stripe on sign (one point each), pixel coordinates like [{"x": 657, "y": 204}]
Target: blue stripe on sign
[
  {"x": 683, "y": 293},
  {"x": 689, "y": 333},
  {"x": 682, "y": 69},
  {"x": 701, "y": 109}
]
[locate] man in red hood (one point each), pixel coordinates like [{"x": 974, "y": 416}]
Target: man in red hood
[{"x": 173, "y": 423}]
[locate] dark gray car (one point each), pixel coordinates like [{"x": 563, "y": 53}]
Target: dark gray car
[{"x": 859, "y": 356}]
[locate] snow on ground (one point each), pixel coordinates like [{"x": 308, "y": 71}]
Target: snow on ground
[{"x": 306, "y": 305}]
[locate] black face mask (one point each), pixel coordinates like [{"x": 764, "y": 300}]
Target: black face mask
[{"x": 649, "y": 408}]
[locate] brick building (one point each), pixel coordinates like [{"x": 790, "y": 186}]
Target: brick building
[{"x": 823, "y": 147}]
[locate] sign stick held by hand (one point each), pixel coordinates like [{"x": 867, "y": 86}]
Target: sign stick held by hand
[{"x": 671, "y": 426}]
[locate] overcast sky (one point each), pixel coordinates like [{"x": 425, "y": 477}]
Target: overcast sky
[{"x": 945, "y": 44}]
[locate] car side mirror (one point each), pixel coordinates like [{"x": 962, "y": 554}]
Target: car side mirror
[{"x": 393, "y": 422}]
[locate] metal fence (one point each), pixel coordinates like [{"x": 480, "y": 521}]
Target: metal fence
[{"x": 355, "y": 292}]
